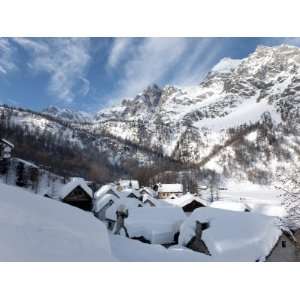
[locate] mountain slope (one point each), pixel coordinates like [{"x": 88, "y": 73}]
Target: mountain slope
[
  {"x": 72, "y": 148},
  {"x": 242, "y": 120},
  {"x": 247, "y": 107}
]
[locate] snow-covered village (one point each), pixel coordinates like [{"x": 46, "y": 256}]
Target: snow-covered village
[
  {"x": 205, "y": 172},
  {"x": 76, "y": 220}
]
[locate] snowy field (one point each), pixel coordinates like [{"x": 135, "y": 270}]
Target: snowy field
[{"x": 259, "y": 198}]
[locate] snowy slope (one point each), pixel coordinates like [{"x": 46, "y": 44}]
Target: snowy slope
[
  {"x": 33, "y": 228},
  {"x": 68, "y": 114},
  {"x": 257, "y": 96}
]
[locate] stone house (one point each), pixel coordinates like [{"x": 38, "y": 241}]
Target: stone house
[{"x": 287, "y": 248}]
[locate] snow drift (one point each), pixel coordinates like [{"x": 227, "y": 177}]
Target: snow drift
[{"x": 34, "y": 228}]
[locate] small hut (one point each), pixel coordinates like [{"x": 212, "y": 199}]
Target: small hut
[
  {"x": 188, "y": 202},
  {"x": 77, "y": 193},
  {"x": 6, "y": 148},
  {"x": 166, "y": 190}
]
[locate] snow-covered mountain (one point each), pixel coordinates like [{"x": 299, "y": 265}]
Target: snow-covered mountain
[
  {"x": 243, "y": 115},
  {"x": 241, "y": 120},
  {"x": 68, "y": 114}
]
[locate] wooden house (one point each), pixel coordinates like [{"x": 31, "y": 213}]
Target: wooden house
[
  {"x": 77, "y": 193},
  {"x": 188, "y": 202},
  {"x": 6, "y": 148}
]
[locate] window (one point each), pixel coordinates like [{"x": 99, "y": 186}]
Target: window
[{"x": 283, "y": 244}]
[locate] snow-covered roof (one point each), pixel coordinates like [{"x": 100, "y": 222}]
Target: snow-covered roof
[
  {"x": 186, "y": 199},
  {"x": 156, "y": 224},
  {"x": 170, "y": 188},
  {"x": 107, "y": 189},
  {"x": 129, "y": 183},
  {"x": 148, "y": 191},
  {"x": 230, "y": 205},
  {"x": 8, "y": 143},
  {"x": 100, "y": 203},
  {"x": 66, "y": 189},
  {"x": 233, "y": 235},
  {"x": 48, "y": 230},
  {"x": 126, "y": 192},
  {"x": 26, "y": 162},
  {"x": 128, "y": 203},
  {"x": 156, "y": 202}
]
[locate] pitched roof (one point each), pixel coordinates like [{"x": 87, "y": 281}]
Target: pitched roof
[
  {"x": 186, "y": 199},
  {"x": 7, "y": 143},
  {"x": 105, "y": 189},
  {"x": 100, "y": 203},
  {"x": 156, "y": 202},
  {"x": 170, "y": 188},
  {"x": 126, "y": 192},
  {"x": 148, "y": 191},
  {"x": 66, "y": 189},
  {"x": 125, "y": 183}
]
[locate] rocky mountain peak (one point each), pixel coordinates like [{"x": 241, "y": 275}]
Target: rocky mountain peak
[{"x": 151, "y": 95}]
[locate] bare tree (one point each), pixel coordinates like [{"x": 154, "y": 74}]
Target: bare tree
[{"x": 289, "y": 185}]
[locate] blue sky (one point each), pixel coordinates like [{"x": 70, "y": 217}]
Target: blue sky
[{"x": 91, "y": 73}]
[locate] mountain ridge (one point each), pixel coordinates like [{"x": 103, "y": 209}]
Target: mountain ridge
[{"x": 254, "y": 101}]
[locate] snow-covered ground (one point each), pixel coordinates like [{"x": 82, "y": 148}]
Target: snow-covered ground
[
  {"x": 264, "y": 199},
  {"x": 34, "y": 228}
]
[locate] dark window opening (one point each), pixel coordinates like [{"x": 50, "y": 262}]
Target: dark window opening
[{"x": 283, "y": 244}]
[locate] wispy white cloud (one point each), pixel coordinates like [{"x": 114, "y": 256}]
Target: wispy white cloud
[
  {"x": 64, "y": 59},
  {"x": 150, "y": 60},
  {"x": 119, "y": 49},
  {"x": 200, "y": 58},
  {"x": 6, "y": 56},
  {"x": 171, "y": 60}
]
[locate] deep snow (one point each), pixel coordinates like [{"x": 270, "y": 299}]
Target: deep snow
[
  {"x": 34, "y": 228},
  {"x": 233, "y": 235}
]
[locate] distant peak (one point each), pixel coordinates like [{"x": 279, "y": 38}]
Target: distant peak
[
  {"x": 152, "y": 87},
  {"x": 151, "y": 95},
  {"x": 67, "y": 114},
  {"x": 226, "y": 65}
]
